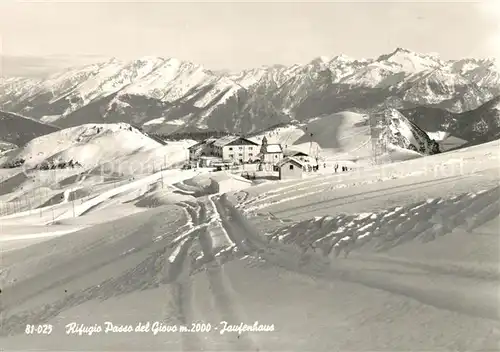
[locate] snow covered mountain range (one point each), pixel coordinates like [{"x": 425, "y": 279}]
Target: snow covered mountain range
[{"x": 166, "y": 95}]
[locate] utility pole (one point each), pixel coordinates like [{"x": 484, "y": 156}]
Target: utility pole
[
  {"x": 243, "y": 148},
  {"x": 310, "y": 144},
  {"x": 73, "y": 203},
  {"x": 39, "y": 202},
  {"x": 28, "y": 202}
]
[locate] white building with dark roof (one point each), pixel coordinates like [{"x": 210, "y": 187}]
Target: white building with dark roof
[
  {"x": 270, "y": 153},
  {"x": 237, "y": 149}
]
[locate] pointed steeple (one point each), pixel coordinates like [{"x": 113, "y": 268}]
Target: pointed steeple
[
  {"x": 263, "y": 148},
  {"x": 264, "y": 140}
]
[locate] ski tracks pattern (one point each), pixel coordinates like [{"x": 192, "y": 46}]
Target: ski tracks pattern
[
  {"x": 302, "y": 252},
  {"x": 190, "y": 261}
]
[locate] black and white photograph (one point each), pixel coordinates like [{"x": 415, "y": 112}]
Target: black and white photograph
[{"x": 263, "y": 176}]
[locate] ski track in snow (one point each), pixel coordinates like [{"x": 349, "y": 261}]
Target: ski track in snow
[
  {"x": 281, "y": 193},
  {"x": 397, "y": 228},
  {"x": 390, "y": 228},
  {"x": 200, "y": 217}
]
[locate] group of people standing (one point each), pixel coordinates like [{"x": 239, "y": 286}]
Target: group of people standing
[
  {"x": 344, "y": 168},
  {"x": 310, "y": 168}
]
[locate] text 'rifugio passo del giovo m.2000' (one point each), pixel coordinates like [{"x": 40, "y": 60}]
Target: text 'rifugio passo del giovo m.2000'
[{"x": 156, "y": 327}]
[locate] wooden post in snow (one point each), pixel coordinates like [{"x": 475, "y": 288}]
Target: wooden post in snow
[
  {"x": 310, "y": 144},
  {"x": 28, "y": 203},
  {"x": 52, "y": 207},
  {"x": 73, "y": 203}
]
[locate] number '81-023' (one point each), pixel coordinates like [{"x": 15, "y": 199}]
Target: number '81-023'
[{"x": 43, "y": 329}]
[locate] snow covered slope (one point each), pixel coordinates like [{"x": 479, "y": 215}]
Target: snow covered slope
[
  {"x": 168, "y": 89},
  {"x": 89, "y": 145},
  {"x": 406, "y": 253},
  {"x": 350, "y": 136}
]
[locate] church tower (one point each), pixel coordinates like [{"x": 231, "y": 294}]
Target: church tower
[{"x": 263, "y": 150}]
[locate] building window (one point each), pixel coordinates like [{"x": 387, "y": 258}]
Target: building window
[
  {"x": 241, "y": 148},
  {"x": 230, "y": 148},
  {"x": 231, "y": 155},
  {"x": 241, "y": 154},
  {"x": 251, "y": 148},
  {"x": 291, "y": 167},
  {"x": 276, "y": 156},
  {"x": 250, "y": 154}
]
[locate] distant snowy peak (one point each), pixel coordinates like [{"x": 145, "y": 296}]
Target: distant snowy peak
[
  {"x": 410, "y": 61},
  {"x": 373, "y": 75},
  {"x": 175, "y": 80},
  {"x": 390, "y": 69},
  {"x": 343, "y": 66},
  {"x": 320, "y": 63},
  {"x": 15, "y": 89},
  {"x": 113, "y": 77},
  {"x": 344, "y": 58},
  {"x": 483, "y": 72},
  {"x": 468, "y": 64},
  {"x": 266, "y": 76},
  {"x": 159, "y": 82}
]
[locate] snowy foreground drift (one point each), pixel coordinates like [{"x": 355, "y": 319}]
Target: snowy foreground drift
[{"x": 403, "y": 257}]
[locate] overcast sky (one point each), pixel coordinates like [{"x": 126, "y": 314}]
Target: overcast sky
[{"x": 39, "y": 36}]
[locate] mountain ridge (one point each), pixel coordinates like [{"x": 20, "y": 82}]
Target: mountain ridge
[
  {"x": 196, "y": 98},
  {"x": 476, "y": 126}
]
